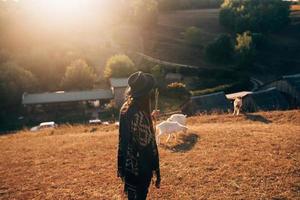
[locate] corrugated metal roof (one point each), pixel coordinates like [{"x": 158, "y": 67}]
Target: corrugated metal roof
[
  {"x": 293, "y": 80},
  {"x": 119, "y": 82},
  {"x": 237, "y": 94},
  {"x": 59, "y": 97}
]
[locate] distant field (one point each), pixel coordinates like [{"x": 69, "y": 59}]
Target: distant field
[
  {"x": 206, "y": 19},
  {"x": 255, "y": 156}
]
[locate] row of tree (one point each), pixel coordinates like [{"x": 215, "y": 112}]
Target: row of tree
[
  {"x": 240, "y": 51},
  {"x": 79, "y": 75},
  {"x": 248, "y": 22},
  {"x": 255, "y": 15},
  {"x": 38, "y": 55}
]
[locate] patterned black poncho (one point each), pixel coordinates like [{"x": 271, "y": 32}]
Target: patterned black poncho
[{"x": 137, "y": 153}]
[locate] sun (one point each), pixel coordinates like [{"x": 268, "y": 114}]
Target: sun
[
  {"x": 62, "y": 8},
  {"x": 60, "y": 12}
]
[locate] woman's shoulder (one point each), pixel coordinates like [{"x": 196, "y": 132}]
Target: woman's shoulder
[{"x": 130, "y": 110}]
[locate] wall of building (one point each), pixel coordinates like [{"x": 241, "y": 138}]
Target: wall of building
[
  {"x": 119, "y": 96},
  {"x": 287, "y": 89}
]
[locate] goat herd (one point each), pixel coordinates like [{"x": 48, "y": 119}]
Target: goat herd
[{"x": 174, "y": 124}]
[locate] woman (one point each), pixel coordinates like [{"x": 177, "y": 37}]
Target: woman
[{"x": 138, "y": 153}]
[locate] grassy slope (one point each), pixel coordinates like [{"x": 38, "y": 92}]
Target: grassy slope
[
  {"x": 221, "y": 157},
  {"x": 167, "y": 41}
]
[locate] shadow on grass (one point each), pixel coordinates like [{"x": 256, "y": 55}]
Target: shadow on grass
[
  {"x": 186, "y": 143},
  {"x": 257, "y": 118}
]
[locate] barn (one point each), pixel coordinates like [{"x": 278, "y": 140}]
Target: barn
[
  {"x": 235, "y": 95},
  {"x": 215, "y": 102},
  {"x": 264, "y": 100},
  {"x": 118, "y": 88},
  {"x": 289, "y": 86},
  {"x": 173, "y": 77},
  {"x": 70, "y": 106}
]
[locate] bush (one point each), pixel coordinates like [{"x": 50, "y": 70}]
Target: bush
[
  {"x": 260, "y": 41},
  {"x": 254, "y": 15},
  {"x": 177, "y": 90},
  {"x": 220, "y": 50},
  {"x": 145, "y": 13},
  {"x": 14, "y": 81},
  {"x": 193, "y": 36},
  {"x": 158, "y": 72},
  {"x": 119, "y": 66},
  {"x": 78, "y": 76},
  {"x": 244, "y": 50}
]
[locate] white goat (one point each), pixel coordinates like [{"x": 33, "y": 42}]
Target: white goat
[
  {"x": 180, "y": 118},
  {"x": 237, "y": 105},
  {"x": 168, "y": 127}
]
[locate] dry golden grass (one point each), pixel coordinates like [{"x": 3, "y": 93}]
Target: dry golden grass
[
  {"x": 295, "y": 8},
  {"x": 221, "y": 157}
]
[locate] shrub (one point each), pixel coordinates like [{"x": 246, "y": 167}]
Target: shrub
[
  {"x": 119, "y": 66},
  {"x": 244, "y": 49},
  {"x": 260, "y": 41},
  {"x": 78, "y": 76},
  {"x": 193, "y": 36},
  {"x": 177, "y": 90},
  {"x": 14, "y": 81},
  {"x": 254, "y": 15},
  {"x": 220, "y": 50},
  {"x": 158, "y": 72},
  {"x": 145, "y": 13}
]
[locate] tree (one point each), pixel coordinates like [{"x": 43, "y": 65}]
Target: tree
[
  {"x": 193, "y": 36},
  {"x": 221, "y": 50},
  {"x": 158, "y": 72},
  {"x": 119, "y": 66},
  {"x": 145, "y": 12},
  {"x": 244, "y": 50},
  {"x": 78, "y": 76},
  {"x": 254, "y": 15},
  {"x": 14, "y": 81}
]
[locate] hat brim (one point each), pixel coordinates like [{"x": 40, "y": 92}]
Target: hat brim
[{"x": 148, "y": 86}]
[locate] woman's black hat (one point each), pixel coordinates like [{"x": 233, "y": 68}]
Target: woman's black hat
[{"x": 140, "y": 83}]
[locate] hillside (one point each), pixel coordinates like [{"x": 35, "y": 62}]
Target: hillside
[
  {"x": 166, "y": 42},
  {"x": 254, "y": 156}
]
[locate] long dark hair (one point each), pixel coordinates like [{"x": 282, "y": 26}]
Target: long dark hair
[{"x": 143, "y": 103}]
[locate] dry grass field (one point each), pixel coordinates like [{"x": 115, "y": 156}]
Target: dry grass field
[
  {"x": 295, "y": 7},
  {"x": 253, "y": 156}
]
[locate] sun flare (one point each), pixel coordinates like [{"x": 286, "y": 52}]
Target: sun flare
[{"x": 61, "y": 9}]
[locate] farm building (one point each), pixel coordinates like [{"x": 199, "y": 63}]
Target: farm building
[
  {"x": 215, "y": 102},
  {"x": 289, "y": 86},
  {"x": 63, "y": 97},
  {"x": 56, "y": 105},
  {"x": 264, "y": 100},
  {"x": 118, "y": 87},
  {"x": 173, "y": 77},
  {"x": 233, "y": 96}
]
